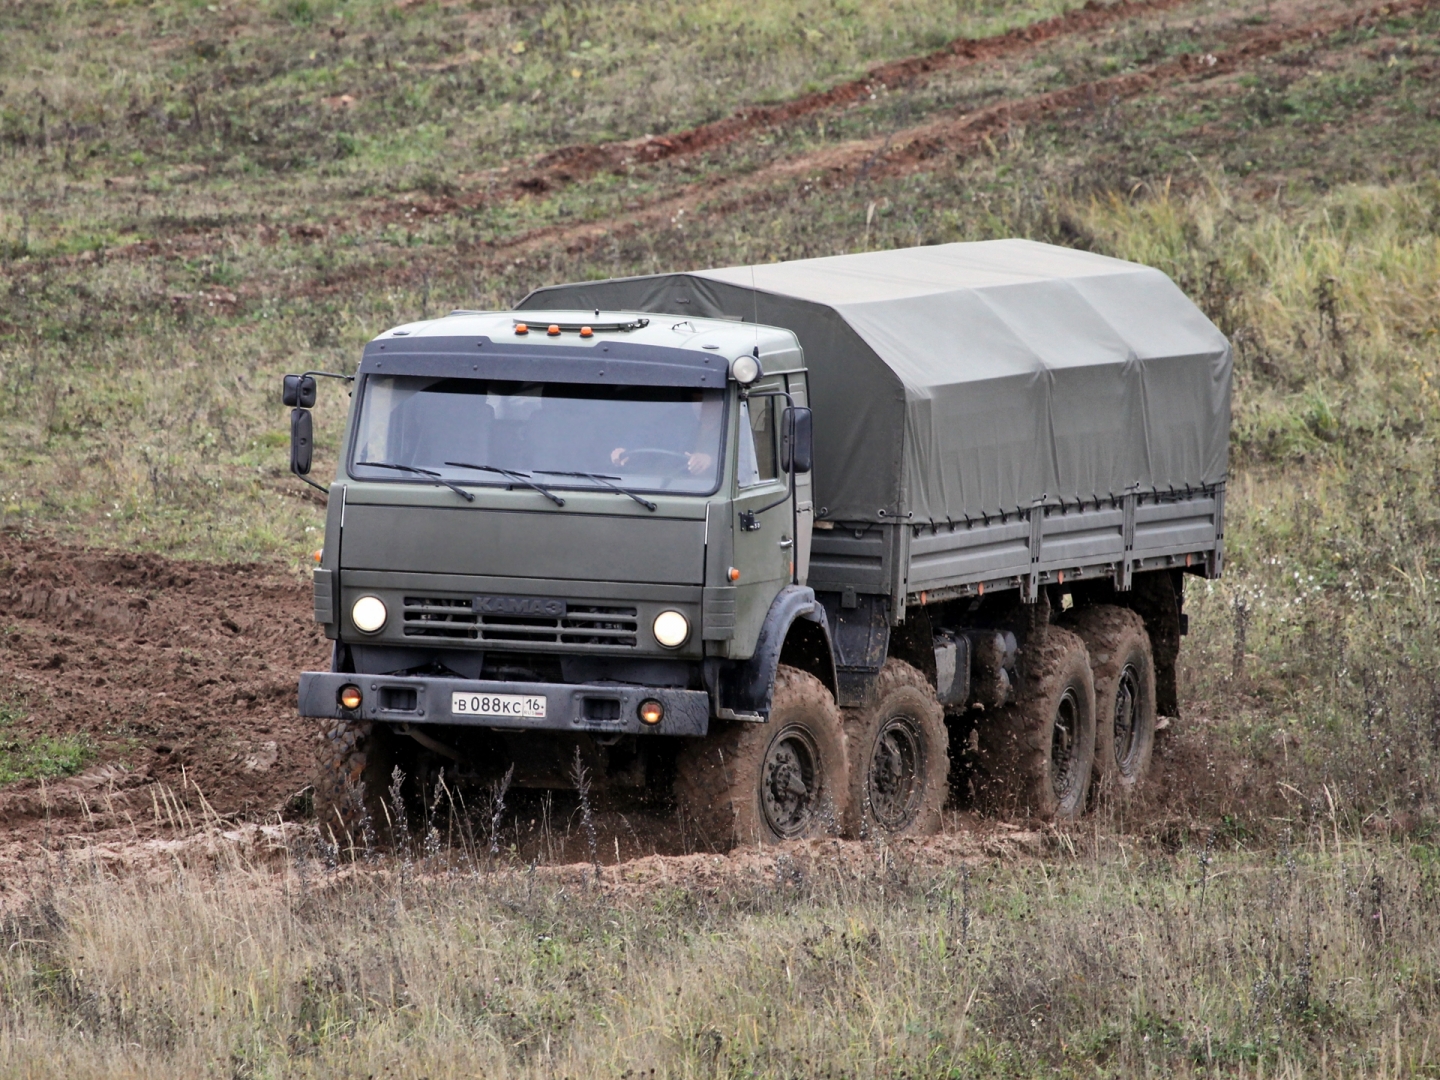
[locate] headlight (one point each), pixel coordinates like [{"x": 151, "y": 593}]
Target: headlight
[
  {"x": 671, "y": 629},
  {"x": 369, "y": 614},
  {"x": 745, "y": 369}
]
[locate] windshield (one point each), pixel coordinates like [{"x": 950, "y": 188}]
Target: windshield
[{"x": 654, "y": 438}]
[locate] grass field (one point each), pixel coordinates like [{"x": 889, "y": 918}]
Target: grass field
[
  {"x": 197, "y": 198},
  {"x": 1318, "y": 957}
]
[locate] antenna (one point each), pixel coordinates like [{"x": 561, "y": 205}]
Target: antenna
[{"x": 755, "y": 300}]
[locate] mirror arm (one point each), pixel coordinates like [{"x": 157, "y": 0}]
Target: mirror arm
[
  {"x": 323, "y": 490},
  {"x": 329, "y": 375}
]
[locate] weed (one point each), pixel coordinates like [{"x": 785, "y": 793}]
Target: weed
[{"x": 26, "y": 755}]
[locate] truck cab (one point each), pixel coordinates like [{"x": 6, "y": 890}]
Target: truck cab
[{"x": 573, "y": 524}]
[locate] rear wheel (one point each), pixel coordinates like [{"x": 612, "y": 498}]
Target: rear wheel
[
  {"x": 1122, "y": 662},
  {"x": 899, "y": 754},
  {"x": 765, "y": 783},
  {"x": 1037, "y": 753}
]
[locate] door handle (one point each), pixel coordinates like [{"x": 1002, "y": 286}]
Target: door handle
[{"x": 786, "y": 542}]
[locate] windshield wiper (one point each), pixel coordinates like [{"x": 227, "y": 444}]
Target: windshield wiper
[
  {"x": 601, "y": 478},
  {"x": 524, "y": 478},
  {"x": 467, "y": 496}
]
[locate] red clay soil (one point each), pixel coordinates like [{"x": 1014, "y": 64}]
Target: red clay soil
[
  {"x": 572, "y": 162},
  {"x": 179, "y": 672},
  {"x": 917, "y": 148},
  {"x": 182, "y": 675}
]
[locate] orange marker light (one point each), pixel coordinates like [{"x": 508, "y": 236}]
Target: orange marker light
[
  {"x": 734, "y": 574},
  {"x": 651, "y": 712},
  {"x": 319, "y": 553},
  {"x": 521, "y": 328},
  {"x": 554, "y": 330},
  {"x": 585, "y": 331},
  {"x": 350, "y": 697}
]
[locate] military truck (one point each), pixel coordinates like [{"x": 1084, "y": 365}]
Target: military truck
[{"x": 780, "y": 541}]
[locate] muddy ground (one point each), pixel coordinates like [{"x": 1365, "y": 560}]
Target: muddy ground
[
  {"x": 182, "y": 673},
  {"x": 181, "y": 676}
]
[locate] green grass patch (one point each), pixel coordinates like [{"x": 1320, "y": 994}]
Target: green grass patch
[{"x": 25, "y": 756}]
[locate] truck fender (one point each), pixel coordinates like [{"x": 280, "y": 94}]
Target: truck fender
[{"x": 796, "y": 632}]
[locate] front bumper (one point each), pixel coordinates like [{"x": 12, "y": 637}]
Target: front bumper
[{"x": 605, "y": 708}]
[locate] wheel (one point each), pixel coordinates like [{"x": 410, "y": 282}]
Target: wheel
[
  {"x": 356, "y": 760},
  {"x": 1121, "y": 660},
  {"x": 764, "y": 783},
  {"x": 1037, "y": 754},
  {"x": 899, "y": 752}
]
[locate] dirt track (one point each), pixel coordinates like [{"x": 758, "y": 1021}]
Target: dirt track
[{"x": 945, "y": 134}]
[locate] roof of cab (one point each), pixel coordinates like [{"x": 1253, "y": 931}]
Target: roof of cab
[
  {"x": 622, "y": 347},
  {"x": 726, "y": 336}
]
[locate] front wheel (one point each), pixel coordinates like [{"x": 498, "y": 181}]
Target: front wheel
[
  {"x": 354, "y": 766},
  {"x": 765, "y": 783},
  {"x": 899, "y": 756}
]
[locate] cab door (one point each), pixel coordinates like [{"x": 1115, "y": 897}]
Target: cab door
[
  {"x": 761, "y": 523},
  {"x": 804, "y": 491}
]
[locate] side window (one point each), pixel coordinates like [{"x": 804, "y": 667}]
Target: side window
[
  {"x": 757, "y": 442},
  {"x": 762, "y": 426}
]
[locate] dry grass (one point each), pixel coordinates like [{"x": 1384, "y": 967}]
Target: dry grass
[{"x": 1316, "y": 957}]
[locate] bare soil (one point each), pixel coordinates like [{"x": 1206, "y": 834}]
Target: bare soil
[{"x": 182, "y": 675}]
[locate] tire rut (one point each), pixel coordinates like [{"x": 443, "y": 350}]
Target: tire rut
[
  {"x": 908, "y": 150},
  {"x": 571, "y": 164}
]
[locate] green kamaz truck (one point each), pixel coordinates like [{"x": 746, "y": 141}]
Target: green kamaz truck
[{"x": 781, "y": 540}]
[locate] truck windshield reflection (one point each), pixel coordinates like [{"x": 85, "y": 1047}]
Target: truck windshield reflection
[{"x": 648, "y": 438}]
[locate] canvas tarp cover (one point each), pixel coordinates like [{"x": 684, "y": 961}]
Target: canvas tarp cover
[{"x": 963, "y": 380}]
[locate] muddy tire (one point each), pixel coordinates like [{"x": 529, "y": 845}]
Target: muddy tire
[
  {"x": 899, "y": 752},
  {"x": 1123, "y": 666},
  {"x": 356, "y": 759},
  {"x": 765, "y": 783},
  {"x": 1036, "y": 755}
]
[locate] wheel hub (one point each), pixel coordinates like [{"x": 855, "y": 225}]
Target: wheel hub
[
  {"x": 1065, "y": 733},
  {"x": 1127, "y": 695},
  {"x": 789, "y": 783},
  {"x": 896, "y": 767}
]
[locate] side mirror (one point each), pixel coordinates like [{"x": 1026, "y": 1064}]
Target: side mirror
[
  {"x": 797, "y": 444},
  {"x": 302, "y": 441},
  {"x": 299, "y": 391}
]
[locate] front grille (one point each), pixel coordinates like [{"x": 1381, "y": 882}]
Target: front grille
[{"x": 582, "y": 624}]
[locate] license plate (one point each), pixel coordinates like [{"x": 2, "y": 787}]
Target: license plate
[{"x": 502, "y": 706}]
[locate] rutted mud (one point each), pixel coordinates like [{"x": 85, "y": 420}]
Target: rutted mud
[
  {"x": 570, "y": 163},
  {"x": 174, "y": 672},
  {"x": 182, "y": 676}
]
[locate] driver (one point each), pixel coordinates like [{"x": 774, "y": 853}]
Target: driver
[{"x": 703, "y": 430}]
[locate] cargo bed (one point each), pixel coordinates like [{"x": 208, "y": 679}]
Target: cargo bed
[{"x": 1047, "y": 544}]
